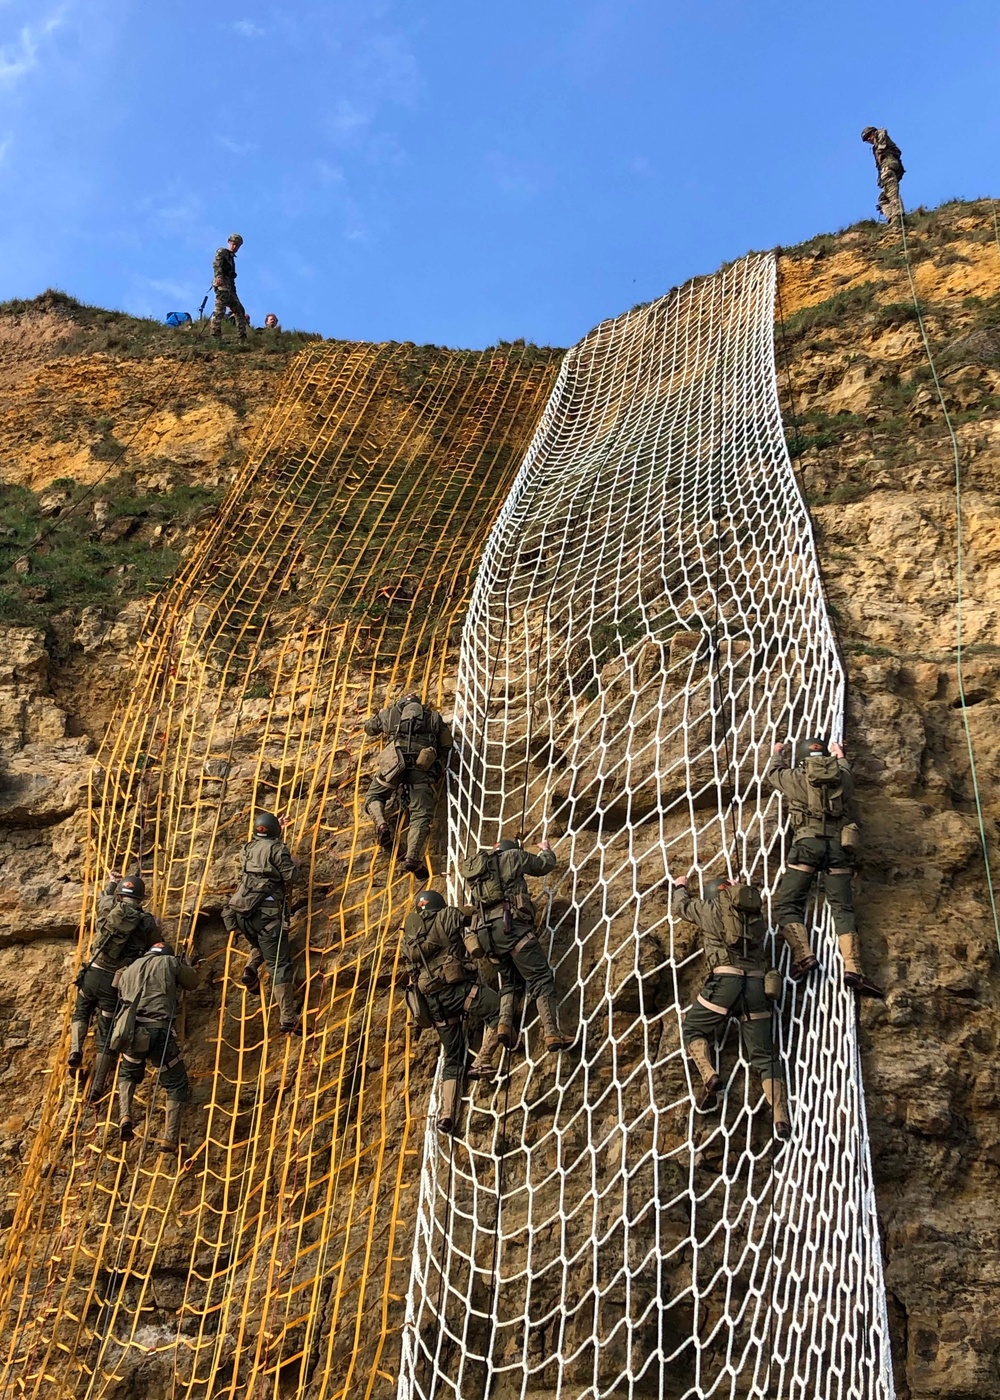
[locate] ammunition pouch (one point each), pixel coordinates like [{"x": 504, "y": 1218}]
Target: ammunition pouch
[
  {"x": 390, "y": 767},
  {"x": 774, "y": 984},
  {"x": 416, "y": 1004}
]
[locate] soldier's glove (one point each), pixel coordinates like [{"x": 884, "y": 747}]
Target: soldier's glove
[{"x": 473, "y": 946}]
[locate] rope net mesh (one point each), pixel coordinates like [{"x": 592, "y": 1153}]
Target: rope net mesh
[
  {"x": 272, "y": 1262},
  {"x": 648, "y": 620}
]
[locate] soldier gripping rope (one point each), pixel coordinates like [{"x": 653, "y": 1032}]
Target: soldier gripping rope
[
  {"x": 889, "y": 164},
  {"x": 224, "y": 284},
  {"x": 505, "y": 932},
  {"x": 144, "y": 1030},
  {"x": 258, "y": 909},
  {"x": 445, "y": 993},
  {"x": 740, "y": 984},
  {"x": 124, "y": 932},
  {"x": 413, "y": 757},
  {"x": 820, "y": 797}
]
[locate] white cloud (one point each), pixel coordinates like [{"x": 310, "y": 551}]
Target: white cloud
[
  {"x": 247, "y": 29},
  {"x": 20, "y": 57},
  {"x": 235, "y": 148}
]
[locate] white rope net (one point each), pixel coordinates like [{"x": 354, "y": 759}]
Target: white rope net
[{"x": 648, "y": 620}]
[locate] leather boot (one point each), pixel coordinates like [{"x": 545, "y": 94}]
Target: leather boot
[
  {"x": 126, "y": 1093},
  {"x": 853, "y": 976},
  {"x": 77, "y": 1031},
  {"x": 383, "y": 835},
  {"x": 804, "y": 959},
  {"x": 711, "y": 1079},
  {"x": 448, "y": 1112},
  {"x": 548, "y": 1014},
  {"x": 171, "y": 1139},
  {"x": 416, "y": 866},
  {"x": 288, "y": 1010},
  {"x": 777, "y": 1097},
  {"x": 482, "y": 1066},
  {"x": 103, "y": 1068},
  {"x": 250, "y": 976}
]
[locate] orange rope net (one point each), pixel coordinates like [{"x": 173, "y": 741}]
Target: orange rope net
[{"x": 272, "y": 1259}]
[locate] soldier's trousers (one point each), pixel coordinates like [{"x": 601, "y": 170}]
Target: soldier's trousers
[
  {"x": 744, "y": 997},
  {"x": 264, "y": 930},
  {"x": 97, "y": 994},
  {"x": 889, "y": 203},
  {"x": 226, "y": 297},
  {"x": 518, "y": 954},
  {"x": 156, "y": 1043},
  {"x": 422, "y": 803},
  {"x": 455, "y": 1011},
  {"x": 820, "y": 853}
]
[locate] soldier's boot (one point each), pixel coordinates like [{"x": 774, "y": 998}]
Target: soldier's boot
[
  {"x": 777, "y": 1097},
  {"x": 804, "y": 960},
  {"x": 483, "y": 1066},
  {"x": 711, "y": 1079},
  {"x": 288, "y": 1010},
  {"x": 77, "y": 1031},
  {"x": 548, "y": 1014},
  {"x": 416, "y": 866},
  {"x": 448, "y": 1112},
  {"x": 383, "y": 835},
  {"x": 171, "y": 1139},
  {"x": 103, "y": 1069},
  {"x": 853, "y": 976},
  {"x": 126, "y": 1093},
  {"x": 250, "y": 976}
]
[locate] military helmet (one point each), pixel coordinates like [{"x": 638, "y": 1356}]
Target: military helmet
[
  {"x": 410, "y": 695},
  {"x": 721, "y": 882},
  {"x": 266, "y": 824},
  {"x": 428, "y": 902},
  {"x": 505, "y": 844},
  {"x": 816, "y": 745},
  {"x": 236, "y": 238},
  {"x": 132, "y": 887},
  {"x": 869, "y": 132}
]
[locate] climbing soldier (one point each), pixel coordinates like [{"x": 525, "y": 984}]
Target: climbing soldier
[
  {"x": 258, "y": 909},
  {"x": 224, "y": 283},
  {"x": 825, "y": 832},
  {"x": 151, "y": 990},
  {"x": 413, "y": 757},
  {"x": 505, "y": 931},
  {"x": 124, "y": 932},
  {"x": 449, "y": 994},
  {"x": 889, "y": 164},
  {"x": 739, "y": 980}
]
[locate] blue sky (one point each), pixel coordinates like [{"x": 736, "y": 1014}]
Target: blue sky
[{"x": 460, "y": 173}]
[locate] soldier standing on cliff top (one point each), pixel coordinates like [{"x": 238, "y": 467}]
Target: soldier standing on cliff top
[
  {"x": 224, "y": 282},
  {"x": 889, "y": 164}
]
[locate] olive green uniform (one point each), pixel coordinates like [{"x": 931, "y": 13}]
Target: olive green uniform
[
  {"x": 416, "y": 728},
  {"x": 735, "y": 986},
  {"x": 258, "y": 906},
  {"x": 816, "y": 843},
  {"x": 456, "y": 998},
  {"x": 506, "y": 926},
  {"x": 124, "y": 932},
  {"x": 154, "y": 984}
]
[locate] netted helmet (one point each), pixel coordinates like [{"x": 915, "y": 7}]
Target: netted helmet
[
  {"x": 132, "y": 887},
  {"x": 817, "y": 745},
  {"x": 428, "y": 902},
  {"x": 266, "y": 824},
  {"x": 236, "y": 238},
  {"x": 869, "y": 132},
  {"x": 506, "y": 845}
]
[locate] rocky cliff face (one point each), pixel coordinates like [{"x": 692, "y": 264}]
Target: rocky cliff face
[{"x": 877, "y": 466}]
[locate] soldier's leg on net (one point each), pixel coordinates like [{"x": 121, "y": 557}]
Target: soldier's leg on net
[
  {"x": 756, "y": 1030},
  {"x": 840, "y": 898},
  {"x": 484, "y": 1010},
  {"x": 131, "y": 1068},
  {"x": 448, "y": 1009},
  {"x": 275, "y": 946},
  {"x": 165, "y": 1053},
  {"x": 377, "y": 796},
  {"x": 804, "y": 859},
  {"x": 422, "y": 804},
  {"x": 511, "y": 988},
  {"x": 87, "y": 998},
  {"x": 700, "y": 1026},
  {"x": 540, "y": 987}
]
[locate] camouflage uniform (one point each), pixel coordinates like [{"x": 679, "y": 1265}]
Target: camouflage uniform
[
  {"x": 889, "y": 164},
  {"x": 154, "y": 984},
  {"x": 414, "y": 727},
  {"x": 124, "y": 932},
  {"x": 506, "y": 933},
  {"x": 735, "y": 987},
  {"x": 435, "y": 954},
  {"x": 224, "y": 282}
]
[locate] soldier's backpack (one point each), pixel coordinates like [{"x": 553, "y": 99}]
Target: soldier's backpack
[
  {"x": 743, "y": 923},
  {"x": 824, "y": 788},
  {"x": 117, "y": 928},
  {"x": 483, "y": 874},
  {"x": 433, "y": 963}
]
